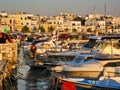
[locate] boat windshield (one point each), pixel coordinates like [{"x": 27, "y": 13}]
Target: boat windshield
[
  {"x": 108, "y": 49},
  {"x": 113, "y": 43},
  {"x": 80, "y": 59},
  {"x": 90, "y": 44}
]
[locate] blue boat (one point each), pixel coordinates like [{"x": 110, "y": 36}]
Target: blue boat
[{"x": 84, "y": 84}]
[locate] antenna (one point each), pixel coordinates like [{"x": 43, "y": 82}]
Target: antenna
[{"x": 94, "y": 15}]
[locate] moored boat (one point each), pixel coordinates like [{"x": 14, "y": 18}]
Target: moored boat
[
  {"x": 109, "y": 80},
  {"x": 106, "y": 55}
]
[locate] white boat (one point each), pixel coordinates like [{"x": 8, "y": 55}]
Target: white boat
[
  {"x": 87, "y": 51},
  {"x": 41, "y": 52},
  {"x": 91, "y": 45},
  {"x": 43, "y": 44},
  {"x": 45, "y": 47},
  {"x": 79, "y": 59},
  {"x": 108, "y": 55},
  {"x": 50, "y": 45},
  {"x": 70, "y": 54},
  {"x": 36, "y": 39},
  {"x": 79, "y": 56}
]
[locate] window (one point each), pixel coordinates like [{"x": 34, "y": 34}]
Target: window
[
  {"x": 112, "y": 64},
  {"x": 27, "y": 23},
  {"x": 10, "y": 28},
  {"x": 10, "y": 21},
  {"x": 117, "y": 71},
  {"x": 73, "y": 24}
]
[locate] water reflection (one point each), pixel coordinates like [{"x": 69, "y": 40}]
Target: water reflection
[{"x": 33, "y": 79}]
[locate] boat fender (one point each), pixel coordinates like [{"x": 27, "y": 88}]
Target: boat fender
[{"x": 68, "y": 86}]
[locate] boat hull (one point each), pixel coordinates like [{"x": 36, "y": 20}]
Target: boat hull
[
  {"x": 79, "y": 74},
  {"x": 82, "y": 74},
  {"x": 81, "y": 85}
]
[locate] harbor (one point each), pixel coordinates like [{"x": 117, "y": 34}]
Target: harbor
[
  {"x": 16, "y": 71},
  {"x": 60, "y": 52},
  {"x": 89, "y": 66}
]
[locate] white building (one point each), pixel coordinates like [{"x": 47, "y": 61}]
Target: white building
[
  {"x": 56, "y": 20},
  {"x": 73, "y": 25},
  {"x": 3, "y": 13}
]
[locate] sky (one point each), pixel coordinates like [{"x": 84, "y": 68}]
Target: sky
[{"x": 54, "y": 7}]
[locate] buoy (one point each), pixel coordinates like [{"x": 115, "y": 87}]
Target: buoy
[
  {"x": 68, "y": 86},
  {"x": 0, "y": 35}
]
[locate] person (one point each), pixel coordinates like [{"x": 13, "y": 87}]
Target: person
[
  {"x": 2, "y": 40},
  {"x": 70, "y": 46},
  {"x": 5, "y": 38},
  {"x": 33, "y": 49}
]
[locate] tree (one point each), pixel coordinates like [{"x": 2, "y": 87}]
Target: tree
[
  {"x": 25, "y": 29},
  {"x": 77, "y": 18},
  {"x": 50, "y": 29},
  {"x": 43, "y": 20},
  {"x": 34, "y": 29},
  {"x": 89, "y": 30},
  {"x": 83, "y": 21},
  {"x": 74, "y": 30},
  {"x": 42, "y": 29}
]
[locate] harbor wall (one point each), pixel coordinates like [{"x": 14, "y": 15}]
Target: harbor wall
[{"x": 8, "y": 52}]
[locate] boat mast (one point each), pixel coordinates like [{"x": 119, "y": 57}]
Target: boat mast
[
  {"x": 94, "y": 12},
  {"x": 111, "y": 48},
  {"x": 106, "y": 31}
]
